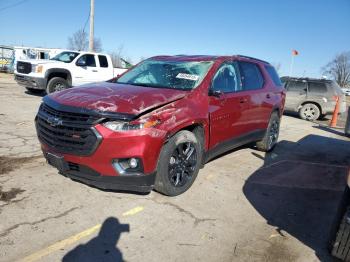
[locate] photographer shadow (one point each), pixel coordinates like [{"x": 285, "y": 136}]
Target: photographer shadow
[
  {"x": 103, "y": 247},
  {"x": 299, "y": 188}
]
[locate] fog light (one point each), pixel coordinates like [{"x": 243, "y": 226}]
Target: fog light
[
  {"x": 133, "y": 162},
  {"x": 128, "y": 166}
]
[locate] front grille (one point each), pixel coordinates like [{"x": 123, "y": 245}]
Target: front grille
[
  {"x": 67, "y": 132},
  {"x": 24, "y": 67}
]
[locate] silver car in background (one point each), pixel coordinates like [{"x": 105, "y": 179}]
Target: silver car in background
[{"x": 312, "y": 98}]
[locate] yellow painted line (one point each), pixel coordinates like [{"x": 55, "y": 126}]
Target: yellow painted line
[
  {"x": 133, "y": 211},
  {"x": 71, "y": 240},
  {"x": 61, "y": 244}
]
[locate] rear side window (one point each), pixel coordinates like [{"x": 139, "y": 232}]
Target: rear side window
[
  {"x": 296, "y": 86},
  {"x": 103, "y": 61},
  {"x": 315, "y": 87},
  {"x": 274, "y": 76},
  {"x": 251, "y": 76}
]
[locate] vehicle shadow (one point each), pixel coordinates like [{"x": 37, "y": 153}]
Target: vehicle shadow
[
  {"x": 299, "y": 188},
  {"x": 103, "y": 247},
  {"x": 39, "y": 94},
  {"x": 330, "y": 130}
]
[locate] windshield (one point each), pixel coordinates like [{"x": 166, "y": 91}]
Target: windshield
[
  {"x": 167, "y": 74},
  {"x": 66, "y": 57}
]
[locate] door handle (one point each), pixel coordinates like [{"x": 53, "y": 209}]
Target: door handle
[
  {"x": 243, "y": 100},
  {"x": 94, "y": 70},
  {"x": 268, "y": 96}
]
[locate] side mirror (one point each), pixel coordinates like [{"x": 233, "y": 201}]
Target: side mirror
[
  {"x": 81, "y": 63},
  {"x": 216, "y": 93}
]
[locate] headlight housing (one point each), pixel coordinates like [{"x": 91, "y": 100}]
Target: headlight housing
[
  {"x": 127, "y": 126},
  {"x": 37, "y": 68}
]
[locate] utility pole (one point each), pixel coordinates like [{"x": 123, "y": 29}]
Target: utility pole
[{"x": 92, "y": 14}]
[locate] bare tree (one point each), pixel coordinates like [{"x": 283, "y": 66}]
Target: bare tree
[
  {"x": 79, "y": 41},
  {"x": 116, "y": 56},
  {"x": 339, "y": 69}
]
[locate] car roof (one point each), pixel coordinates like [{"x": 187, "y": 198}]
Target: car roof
[{"x": 306, "y": 79}]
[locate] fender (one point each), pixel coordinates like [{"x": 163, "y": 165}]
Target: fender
[{"x": 59, "y": 70}]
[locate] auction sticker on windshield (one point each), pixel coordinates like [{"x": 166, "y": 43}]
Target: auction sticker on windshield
[{"x": 188, "y": 76}]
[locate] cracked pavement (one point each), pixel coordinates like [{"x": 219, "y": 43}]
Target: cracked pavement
[{"x": 235, "y": 211}]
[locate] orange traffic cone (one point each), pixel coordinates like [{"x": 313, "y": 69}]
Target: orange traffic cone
[{"x": 335, "y": 114}]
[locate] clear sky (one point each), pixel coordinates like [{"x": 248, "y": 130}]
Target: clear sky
[{"x": 264, "y": 29}]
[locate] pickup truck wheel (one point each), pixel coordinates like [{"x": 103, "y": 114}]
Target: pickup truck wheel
[
  {"x": 179, "y": 163},
  {"x": 56, "y": 84},
  {"x": 271, "y": 136},
  {"x": 309, "y": 112}
]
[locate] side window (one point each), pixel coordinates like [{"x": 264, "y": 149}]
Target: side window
[
  {"x": 296, "y": 86},
  {"x": 103, "y": 61},
  {"x": 88, "y": 60},
  {"x": 251, "y": 76},
  {"x": 225, "y": 79},
  {"x": 274, "y": 76},
  {"x": 315, "y": 87}
]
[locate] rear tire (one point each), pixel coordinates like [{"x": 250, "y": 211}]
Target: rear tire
[
  {"x": 309, "y": 112},
  {"x": 271, "y": 135},
  {"x": 179, "y": 163},
  {"x": 340, "y": 241},
  {"x": 56, "y": 84}
]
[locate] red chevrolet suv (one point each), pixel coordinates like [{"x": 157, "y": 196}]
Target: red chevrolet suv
[{"x": 157, "y": 124}]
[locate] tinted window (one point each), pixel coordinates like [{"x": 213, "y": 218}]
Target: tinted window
[
  {"x": 315, "y": 87},
  {"x": 225, "y": 79},
  {"x": 88, "y": 60},
  {"x": 296, "y": 86},
  {"x": 274, "y": 76},
  {"x": 103, "y": 61},
  {"x": 251, "y": 76}
]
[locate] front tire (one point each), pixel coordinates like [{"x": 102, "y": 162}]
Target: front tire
[
  {"x": 271, "y": 135},
  {"x": 56, "y": 84},
  {"x": 179, "y": 163},
  {"x": 309, "y": 112}
]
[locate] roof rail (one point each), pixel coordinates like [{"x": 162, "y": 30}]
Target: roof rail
[
  {"x": 306, "y": 78},
  {"x": 253, "y": 58}
]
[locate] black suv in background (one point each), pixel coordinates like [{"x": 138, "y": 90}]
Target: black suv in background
[{"x": 312, "y": 98}]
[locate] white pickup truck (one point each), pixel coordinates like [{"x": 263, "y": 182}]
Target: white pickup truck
[{"x": 67, "y": 69}]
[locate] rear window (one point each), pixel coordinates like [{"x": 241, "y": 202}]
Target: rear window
[
  {"x": 251, "y": 76},
  {"x": 317, "y": 87},
  {"x": 274, "y": 76},
  {"x": 103, "y": 61}
]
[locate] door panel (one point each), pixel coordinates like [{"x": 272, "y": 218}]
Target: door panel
[
  {"x": 227, "y": 117},
  {"x": 226, "y": 105},
  {"x": 87, "y": 72},
  {"x": 257, "y": 114},
  {"x": 105, "y": 69},
  {"x": 296, "y": 94}
]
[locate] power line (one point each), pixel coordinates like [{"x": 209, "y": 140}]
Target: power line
[
  {"x": 13, "y": 5},
  {"x": 87, "y": 20}
]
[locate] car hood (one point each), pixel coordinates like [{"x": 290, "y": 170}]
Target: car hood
[{"x": 117, "y": 98}]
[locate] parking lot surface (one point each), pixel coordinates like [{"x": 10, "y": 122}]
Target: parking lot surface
[{"x": 244, "y": 206}]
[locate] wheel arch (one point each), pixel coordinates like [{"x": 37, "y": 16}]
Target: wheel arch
[
  {"x": 310, "y": 102},
  {"x": 199, "y": 128},
  {"x": 59, "y": 72}
]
